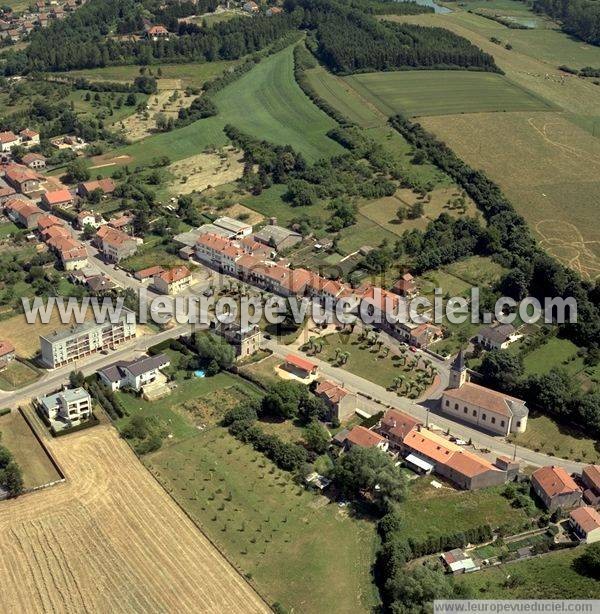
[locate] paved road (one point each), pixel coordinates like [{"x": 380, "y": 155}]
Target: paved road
[{"x": 481, "y": 440}]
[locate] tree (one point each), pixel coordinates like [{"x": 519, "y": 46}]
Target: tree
[
  {"x": 212, "y": 348},
  {"x": 11, "y": 479},
  {"x": 76, "y": 379},
  {"x": 364, "y": 469},
  {"x": 77, "y": 171},
  {"x": 501, "y": 369},
  {"x": 589, "y": 562},
  {"x": 283, "y": 399},
  {"x": 316, "y": 437}
]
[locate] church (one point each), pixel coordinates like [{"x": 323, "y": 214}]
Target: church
[{"x": 479, "y": 406}]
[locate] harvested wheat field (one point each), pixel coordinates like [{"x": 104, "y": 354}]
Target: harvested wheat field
[{"x": 110, "y": 540}]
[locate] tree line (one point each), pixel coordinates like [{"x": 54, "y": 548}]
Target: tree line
[{"x": 532, "y": 271}]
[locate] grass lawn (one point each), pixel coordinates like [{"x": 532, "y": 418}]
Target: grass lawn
[
  {"x": 28, "y": 453},
  {"x": 552, "y": 576},
  {"x": 281, "y": 113},
  {"x": 193, "y": 74},
  {"x": 442, "y": 92},
  {"x": 368, "y": 362},
  {"x": 364, "y": 232},
  {"x": 9, "y": 228},
  {"x": 191, "y": 403},
  {"x": 554, "y": 353},
  {"x": 87, "y": 107},
  {"x": 429, "y": 511},
  {"x": 264, "y": 371},
  {"x": 294, "y": 546},
  {"x": 547, "y": 436},
  {"x": 151, "y": 256},
  {"x": 17, "y": 375}
]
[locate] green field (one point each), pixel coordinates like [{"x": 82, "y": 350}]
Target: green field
[
  {"x": 428, "y": 511},
  {"x": 266, "y": 103},
  {"x": 442, "y": 92},
  {"x": 552, "y": 576},
  {"x": 193, "y": 74},
  {"x": 17, "y": 375},
  {"x": 294, "y": 546}
]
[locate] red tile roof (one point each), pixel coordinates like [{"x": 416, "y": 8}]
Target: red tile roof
[
  {"x": 48, "y": 220},
  {"x": 300, "y": 363},
  {"x": 331, "y": 391},
  {"x": 554, "y": 481},
  {"x": 592, "y": 473},
  {"x": 106, "y": 185},
  {"x": 8, "y": 137},
  {"x": 365, "y": 438},
  {"x": 587, "y": 518},
  {"x": 173, "y": 275},
  {"x": 57, "y": 197},
  {"x": 149, "y": 272},
  {"x": 398, "y": 424},
  {"x": 6, "y": 347}
]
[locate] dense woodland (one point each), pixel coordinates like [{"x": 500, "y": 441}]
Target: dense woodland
[
  {"x": 347, "y": 40},
  {"x": 578, "y": 17},
  {"x": 346, "y": 37}
]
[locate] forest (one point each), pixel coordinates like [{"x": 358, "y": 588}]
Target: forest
[
  {"x": 347, "y": 40},
  {"x": 346, "y": 37},
  {"x": 580, "y": 18}
]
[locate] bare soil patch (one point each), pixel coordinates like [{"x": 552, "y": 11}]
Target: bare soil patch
[
  {"x": 110, "y": 539},
  {"x": 110, "y": 160}
]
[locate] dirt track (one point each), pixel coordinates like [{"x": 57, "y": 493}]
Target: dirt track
[{"x": 110, "y": 540}]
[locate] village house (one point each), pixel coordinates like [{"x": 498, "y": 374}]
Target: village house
[
  {"x": 123, "y": 222},
  {"x": 365, "y": 438},
  {"x": 29, "y": 137},
  {"x": 405, "y": 286},
  {"x": 245, "y": 339},
  {"x": 34, "y": 161},
  {"x": 89, "y": 218},
  {"x": 72, "y": 254},
  {"x": 22, "y": 179},
  {"x": 585, "y": 522},
  {"x": 238, "y": 228},
  {"x": 341, "y": 403},
  {"x": 23, "y": 212},
  {"x": 6, "y": 192},
  {"x": 425, "y": 451},
  {"x": 47, "y": 221},
  {"x": 274, "y": 10},
  {"x": 8, "y": 140},
  {"x": 556, "y": 488},
  {"x": 485, "y": 408},
  {"x": 157, "y": 32},
  {"x": 497, "y": 337},
  {"x": 173, "y": 281},
  {"x": 301, "y": 367},
  {"x": 590, "y": 476},
  {"x": 396, "y": 425},
  {"x": 278, "y": 237},
  {"x": 106, "y": 186},
  {"x": 148, "y": 274},
  {"x": 58, "y": 198},
  {"x": 134, "y": 374},
  {"x": 71, "y": 406},
  {"x": 114, "y": 244},
  {"x": 7, "y": 353},
  {"x": 251, "y": 7}
]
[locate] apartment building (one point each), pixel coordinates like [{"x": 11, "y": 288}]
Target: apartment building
[{"x": 65, "y": 346}]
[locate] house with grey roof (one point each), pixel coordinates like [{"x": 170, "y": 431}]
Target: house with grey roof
[
  {"x": 497, "y": 337},
  {"x": 134, "y": 374},
  {"x": 278, "y": 237}
]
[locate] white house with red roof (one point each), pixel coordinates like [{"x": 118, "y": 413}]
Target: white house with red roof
[
  {"x": 173, "y": 281},
  {"x": 342, "y": 404},
  {"x": 586, "y": 524},
  {"x": 556, "y": 488}
]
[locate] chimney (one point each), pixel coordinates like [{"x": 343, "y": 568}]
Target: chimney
[{"x": 273, "y": 221}]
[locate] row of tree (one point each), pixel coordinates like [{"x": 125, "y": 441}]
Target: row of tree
[
  {"x": 11, "y": 476},
  {"x": 532, "y": 271}
]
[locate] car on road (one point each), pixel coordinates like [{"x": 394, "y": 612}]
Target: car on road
[{"x": 413, "y": 349}]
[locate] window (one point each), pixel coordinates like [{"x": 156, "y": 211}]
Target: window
[
  {"x": 447, "y": 403},
  {"x": 466, "y": 410},
  {"x": 493, "y": 420},
  {"x": 518, "y": 424},
  {"x": 455, "y": 405},
  {"x": 483, "y": 416},
  {"x": 502, "y": 423},
  {"x": 474, "y": 413}
]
